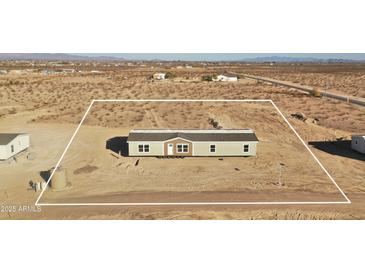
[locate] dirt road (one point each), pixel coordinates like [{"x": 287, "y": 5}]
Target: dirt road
[{"x": 308, "y": 89}]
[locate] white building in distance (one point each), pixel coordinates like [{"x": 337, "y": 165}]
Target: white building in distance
[
  {"x": 358, "y": 143},
  {"x": 226, "y": 78},
  {"x": 159, "y": 76},
  {"x": 13, "y": 143},
  {"x": 69, "y": 70}
]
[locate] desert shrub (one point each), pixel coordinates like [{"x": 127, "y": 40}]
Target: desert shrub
[
  {"x": 208, "y": 78},
  {"x": 170, "y": 75},
  {"x": 214, "y": 123}
]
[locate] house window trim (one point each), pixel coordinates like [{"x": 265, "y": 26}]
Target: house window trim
[
  {"x": 182, "y": 144},
  {"x": 248, "y": 148},
  {"x": 144, "y": 148},
  {"x": 210, "y": 148}
]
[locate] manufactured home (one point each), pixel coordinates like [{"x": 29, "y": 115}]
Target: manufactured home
[
  {"x": 13, "y": 143},
  {"x": 226, "y": 78},
  {"x": 358, "y": 143},
  {"x": 192, "y": 142},
  {"x": 159, "y": 76}
]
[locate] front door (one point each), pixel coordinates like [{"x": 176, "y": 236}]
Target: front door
[{"x": 170, "y": 149}]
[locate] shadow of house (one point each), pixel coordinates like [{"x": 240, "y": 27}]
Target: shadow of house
[
  {"x": 118, "y": 145},
  {"x": 45, "y": 175},
  {"x": 340, "y": 148}
]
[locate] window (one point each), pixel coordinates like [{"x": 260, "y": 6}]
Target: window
[
  {"x": 212, "y": 148},
  {"x": 143, "y": 148},
  {"x": 140, "y": 148},
  {"x": 182, "y": 148},
  {"x": 186, "y": 148},
  {"x": 12, "y": 148},
  {"x": 179, "y": 148},
  {"x": 146, "y": 148},
  {"x": 245, "y": 148}
]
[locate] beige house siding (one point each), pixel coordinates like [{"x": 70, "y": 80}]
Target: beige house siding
[
  {"x": 3, "y": 153},
  {"x": 156, "y": 149},
  {"x": 223, "y": 149},
  {"x": 195, "y": 148},
  {"x": 176, "y": 142}
]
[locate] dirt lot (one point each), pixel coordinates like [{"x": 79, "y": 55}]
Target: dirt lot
[{"x": 50, "y": 107}]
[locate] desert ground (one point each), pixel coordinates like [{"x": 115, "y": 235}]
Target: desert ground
[
  {"x": 348, "y": 79},
  {"x": 50, "y": 106}
]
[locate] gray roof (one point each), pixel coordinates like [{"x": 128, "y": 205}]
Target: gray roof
[
  {"x": 6, "y": 138},
  {"x": 194, "y": 136}
]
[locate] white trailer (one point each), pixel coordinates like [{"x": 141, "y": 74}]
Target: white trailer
[
  {"x": 159, "y": 76},
  {"x": 13, "y": 143},
  {"x": 358, "y": 143},
  {"x": 226, "y": 78}
]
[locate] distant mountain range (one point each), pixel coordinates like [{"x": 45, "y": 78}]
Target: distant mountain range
[
  {"x": 75, "y": 57},
  {"x": 285, "y": 59},
  {"x": 55, "y": 57}
]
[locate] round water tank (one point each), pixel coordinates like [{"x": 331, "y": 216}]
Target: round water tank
[{"x": 59, "y": 179}]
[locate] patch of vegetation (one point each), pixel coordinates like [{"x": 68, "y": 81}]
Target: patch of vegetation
[
  {"x": 208, "y": 78},
  {"x": 169, "y": 75},
  {"x": 214, "y": 123}
]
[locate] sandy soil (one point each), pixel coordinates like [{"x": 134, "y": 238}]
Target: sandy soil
[
  {"x": 49, "y": 108},
  {"x": 278, "y": 144}
]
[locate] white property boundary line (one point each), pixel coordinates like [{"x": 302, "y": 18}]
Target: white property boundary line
[{"x": 191, "y": 203}]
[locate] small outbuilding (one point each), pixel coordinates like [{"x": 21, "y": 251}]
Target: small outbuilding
[
  {"x": 358, "y": 143},
  {"x": 159, "y": 76},
  {"x": 192, "y": 142},
  {"x": 13, "y": 143}
]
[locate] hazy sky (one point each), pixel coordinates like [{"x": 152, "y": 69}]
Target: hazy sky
[{"x": 225, "y": 56}]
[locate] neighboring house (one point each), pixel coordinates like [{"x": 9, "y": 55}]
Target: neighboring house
[
  {"x": 69, "y": 70},
  {"x": 13, "y": 143},
  {"x": 3, "y": 71},
  {"x": 159, "y": 76},
  {"x": 225, "y": 78},
  {"x": 192, "y": 142},
  {"x": 358, "y": 143},
  {"x": 48, "y": 72}
]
